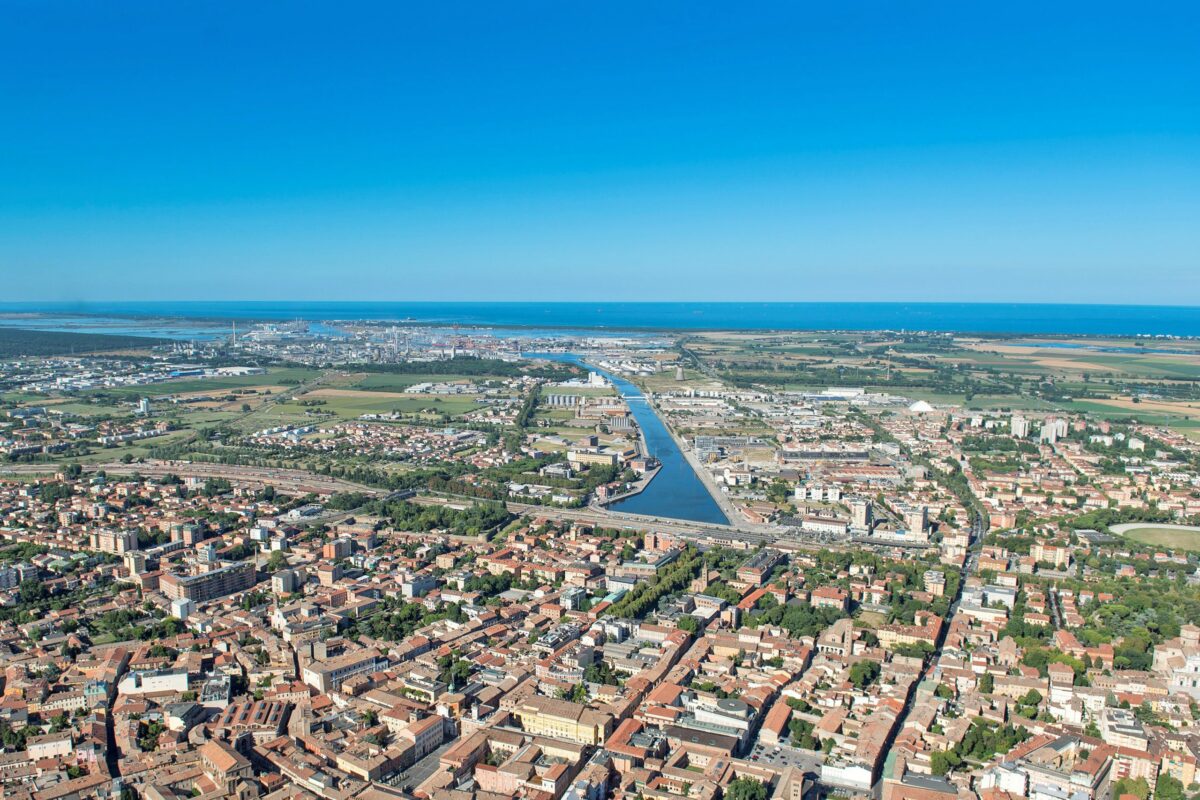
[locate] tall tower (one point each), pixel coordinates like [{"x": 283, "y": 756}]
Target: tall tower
[{"x": 700, "y": 585}]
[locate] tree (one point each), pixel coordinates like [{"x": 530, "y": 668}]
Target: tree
[
  {"x": 802, "y": 734},
  {"x": 1138, "y": 788},
  {"x": 987, "y": 683},
  {"x": 31, "y": 591},
  {"x": 1168, "y": 788},
  {"x": 942, "y": 761},
  {"x": 864, "y": 673},
  {"x": 1032, "y": 698},
  {"x": 745, "y": 789}
]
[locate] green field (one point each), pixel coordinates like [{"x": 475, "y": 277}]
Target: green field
[
  {"x": 1181, "y": 537},
  {"x": 1102, "y": 411},
  {"x": 1149, "y": 366},
  {"x": 24, "y": 398},
  {"x": 351, "y": 407},
  {"x": 398, "y": 383},
  {"x": 137, "y": 449},
  {"x": 273, "y": 377},
  {"x": 580, "y": 391}
]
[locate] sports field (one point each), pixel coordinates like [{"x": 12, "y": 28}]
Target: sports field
[{"x": 1181, "y": 537}]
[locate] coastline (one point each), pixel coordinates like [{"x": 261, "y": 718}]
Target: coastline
[{"x": 969, "y": 319}]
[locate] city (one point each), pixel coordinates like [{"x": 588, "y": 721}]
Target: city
[
  {"x": 408, "y": 566},
  {"x": 599, "y": 401}
]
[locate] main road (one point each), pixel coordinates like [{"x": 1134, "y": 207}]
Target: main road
[
  {"x": 700, "y": 532},
  {"x": 289, "y": 480},
  {"x": 301, "y": 481},
  {"x": 978, "y": 531}
]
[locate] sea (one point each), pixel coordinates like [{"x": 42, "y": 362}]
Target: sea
[{"x": 162, "y": 318}]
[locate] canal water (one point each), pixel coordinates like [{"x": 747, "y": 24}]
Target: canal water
[{"x": 676, "y": 492}]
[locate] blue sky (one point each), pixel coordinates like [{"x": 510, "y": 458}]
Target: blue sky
[{"x": 957, "y": 151}]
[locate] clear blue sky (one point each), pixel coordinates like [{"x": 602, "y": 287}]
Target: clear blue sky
[{"x": 607, "y": 150}]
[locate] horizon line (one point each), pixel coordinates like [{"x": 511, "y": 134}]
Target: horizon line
[{"x": 1095, "y": 304}]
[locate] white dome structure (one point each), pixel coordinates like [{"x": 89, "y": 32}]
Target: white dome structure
[{"x": 920, "y": 407}]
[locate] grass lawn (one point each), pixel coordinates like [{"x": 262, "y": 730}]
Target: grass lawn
[
  {"x": 872, "y": 619},
  {"x": 90, "y": 410},
  {"x": 1181, "y": 537},
  {"x": 275, "y": 415},
  {"x": 137, "y": 449}
]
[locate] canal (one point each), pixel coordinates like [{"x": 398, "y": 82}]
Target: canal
[{"x": 676, "y": 492}]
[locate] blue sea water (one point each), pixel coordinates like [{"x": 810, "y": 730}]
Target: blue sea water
[{"x": 993, "y": 318}]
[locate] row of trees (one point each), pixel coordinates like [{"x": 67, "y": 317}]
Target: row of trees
[
  {"x": 471, "y": 521},
  {"x": 644, "y": 597}
]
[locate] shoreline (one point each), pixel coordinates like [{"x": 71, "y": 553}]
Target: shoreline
[{"x": 984, "y": 320}]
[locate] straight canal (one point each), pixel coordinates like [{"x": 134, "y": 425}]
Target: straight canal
[{"x": 676, "y": 492}]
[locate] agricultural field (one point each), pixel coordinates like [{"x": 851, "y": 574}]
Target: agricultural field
[
  {"x": 351, "y": 403},
  {"x": 283, "y": 376},
  {"x": 1102, "y": 410},
  {"x": 1115, "y": 379},
  {"x": 386, "y": 382}
]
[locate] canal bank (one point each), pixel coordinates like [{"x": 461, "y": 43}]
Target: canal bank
[
  {"x": 637, "y": 487},
  {"x": 731, "y": 513},
  {"x": 677, "y": 491}
]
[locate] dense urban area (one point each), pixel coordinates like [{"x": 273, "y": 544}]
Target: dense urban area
[{"x": 378, "y": 560}]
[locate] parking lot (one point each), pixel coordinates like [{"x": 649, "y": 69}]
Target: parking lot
[{"x": 787, "y": 756}]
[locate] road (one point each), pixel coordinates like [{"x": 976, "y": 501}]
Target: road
[
  {"x": 978, "y": 531},
  {"x": 302, "y": 482},
  {"x": 1055, "y": 608},
  {"x": 705, "y": 533},
  {"x": 289, "y": 480}
]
